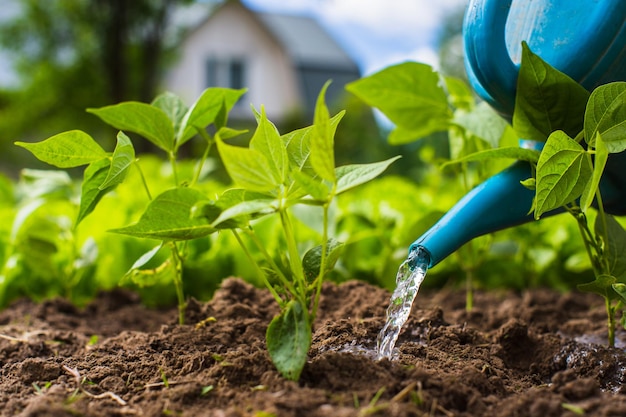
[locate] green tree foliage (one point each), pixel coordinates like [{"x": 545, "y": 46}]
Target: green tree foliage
[{"x": 74, "y": 54}]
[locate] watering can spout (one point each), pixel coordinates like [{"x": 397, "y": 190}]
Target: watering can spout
[{"x": 585, "y": 40}]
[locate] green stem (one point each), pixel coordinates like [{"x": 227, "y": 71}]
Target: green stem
[
  {"x": 322, "y": 273},
  {"x": 258, "y": 269},
  {"x": 469, "y": 289},
  {"x": 143, "y": 179},
  {"x": 261, "y": 247},
  {"x": 205, "y": 155},
  {"x": 172, "y": 158},
  {"x": 178, "y": 282},
  {"x": 611, "y": 321},
  {"x": 292, "y": 249}
]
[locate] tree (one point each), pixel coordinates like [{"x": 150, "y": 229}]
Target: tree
[{"x": 74, "y": 54}]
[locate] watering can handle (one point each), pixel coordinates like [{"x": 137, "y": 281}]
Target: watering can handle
[{"x": 487, "y": 59}]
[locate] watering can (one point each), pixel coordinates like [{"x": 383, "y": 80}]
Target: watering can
[{"x": 585, "y": 39}]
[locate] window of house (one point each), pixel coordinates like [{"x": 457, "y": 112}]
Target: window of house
[{"x": 228, "y": 73}]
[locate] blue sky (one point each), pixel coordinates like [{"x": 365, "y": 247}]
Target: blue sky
[{"x": 376, "y": 33}]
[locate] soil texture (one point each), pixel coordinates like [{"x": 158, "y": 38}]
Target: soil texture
[{"x": 536, "y": 353}]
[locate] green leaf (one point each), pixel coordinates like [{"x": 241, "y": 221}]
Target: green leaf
[
  {"x": 483, "y": 122},
  {"x": 547, "y": 100},
  {"x": 606, "y": 114},
  {"x": 563, "y": 172},
  {"x": 513, "y": 152},
  {"x": 91, "y": 193},
  {"x": 266, "y": 140},
  {"x": 168, "y": 217},
  {"x": 312, "y": 260},
  {"x": 143, "y": 119},
  {"x": 311, "y": 186},
  {"x": 350, "y": 176},
  {"x": 615, "y": 245},
  {"x": 123, "y": 158},
  {"x": 251, "y": 207},
  {"x": 211, "y": 210},
  {"x": 205, "y": 111},
  {"x": 248, "y": 168},
  {"x": 599, "y": 163},
  {"x": 459, "y": 93},
  {"x": 66, "y": 150},
  {"x": 620, "y": 289},
  {"x": 173, "y": 106},
  {"x": 601, "y": 285},
  {"x": 322, "y": 140},
  {"x": 410, "y": 95},
  {"x": 289, "y": 339}
]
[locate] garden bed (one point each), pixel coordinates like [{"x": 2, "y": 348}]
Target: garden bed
[{"x": 529, "y": 354}]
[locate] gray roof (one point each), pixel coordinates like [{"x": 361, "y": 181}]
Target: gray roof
[{"x": 307, "y": 43}]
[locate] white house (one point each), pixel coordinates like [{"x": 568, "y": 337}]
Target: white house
[{"x": 283, "y": 60}]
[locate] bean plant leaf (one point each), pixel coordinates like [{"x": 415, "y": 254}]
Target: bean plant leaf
[
  {"x": 547, "y": 100},
  {"x": 143, "y": 119},
  {"x": 248, "y": 168},
  {"x": 563, "y": 172},
  {"x": 350, "y": 176},
  {"x": 91, "y": 193},
  {"x": 460, "y": 94},
  {"x": 601, "y": 285},
  {"x": 606, "y": 114},
  {"x": 483, "y": 122},
  {"x": 211, "y": 210},
  {"x": 289, "y": 339},
  {"x": 205, "y": 111},
  {"x": 173, "y": 106},
  {"x": 266, "y": 140},
  {"x": 312, "y": 260},
  {"x": 258, "y": 208},
  {"x": 410, "y": 95},
  {"x": 66, "y": 150},
  {"x": 513, "y": 152},
  {"x": 123, "y": 158},
  {"x": 599, "y": 163},
  {"x": 168, "y": 217},
  {"x": 311, "y": 186},
  {"x": 615, "y": 245},
  {"x": 322, "y": 140}
]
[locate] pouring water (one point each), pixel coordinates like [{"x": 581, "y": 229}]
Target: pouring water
[{"x": 408, "y": 280}]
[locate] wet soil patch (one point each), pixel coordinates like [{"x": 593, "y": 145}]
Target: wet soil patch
[{"x": 536, "y": 353}]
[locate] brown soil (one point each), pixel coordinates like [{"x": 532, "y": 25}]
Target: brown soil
[{"x": 527, "y": 354}]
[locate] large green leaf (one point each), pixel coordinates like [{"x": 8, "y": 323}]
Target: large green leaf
[
  {"x": 547, "y": 100},
  {"x": 205, "y": 111},
  {"x": 322, "y": 140},
  {"x": 563, "y": 172},
  {"x": 410, "y": 95},
  {"x": 168, "y": 217},
  {"x": 248, "y": 168},
  {"x": 350, "y": 176},
  {"x": 66, "y": 150},
  {"x": 601, "y": 285},
  {"x": 289, "y": 339},
  {"x": 606, "y": 115},
  {"x": 312, "y": 259},
  {"x": 483, "y": 122},
  {"x": 267, "y": 141},
  {"x": 232, "y": 202},
  {"x": 141, "y": 118},
  {"x": 91, "y": 193},
  {"x": 123, "y": 158},
  {"x": 513, "y": 152}
]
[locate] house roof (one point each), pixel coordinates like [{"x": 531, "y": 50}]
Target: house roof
[{"x": 307, "y": 43}]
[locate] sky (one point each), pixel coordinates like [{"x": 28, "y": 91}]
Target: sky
[{"x": 376, "y": 33}]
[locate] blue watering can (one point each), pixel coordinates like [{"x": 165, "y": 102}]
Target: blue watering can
[{"x": 585, "y": 39}]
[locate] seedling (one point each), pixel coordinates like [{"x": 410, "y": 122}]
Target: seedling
[{"x": 273, "y": 175}]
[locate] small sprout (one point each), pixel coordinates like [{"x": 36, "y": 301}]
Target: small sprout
[
  {"x": 164, "y": 378},
  {"x": 93, "y": 340},
  {"x": 574, "y": 409},
  {"x": 205, "y": 322},
  {"x": 206, "y": 389}
]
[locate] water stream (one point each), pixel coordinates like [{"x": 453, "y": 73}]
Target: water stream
[{"x": 410, "y": 276}]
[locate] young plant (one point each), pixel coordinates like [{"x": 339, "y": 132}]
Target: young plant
[
  {"x": 420, "y": 102},
  {"x": 274, "y": 176},
  {"x": 168, "y": 124}
]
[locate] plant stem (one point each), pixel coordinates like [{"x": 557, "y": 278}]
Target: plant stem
[
  {"x": 205, "y": 155},
  {"x": 172, "y": 158},
  {"x": 258, "y": 269},
  {"x": 320, "y": 277},
  {"x": 143, "y": 179},
  {"x": 178, "y": 282},
  {"x": 611, "y": 321},
  {"x": 292, "y": 249}
]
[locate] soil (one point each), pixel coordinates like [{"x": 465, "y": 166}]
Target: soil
[{"x": 536, "y": 353}]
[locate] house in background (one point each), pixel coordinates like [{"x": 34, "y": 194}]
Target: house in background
[{"x": 283, "y": 60}]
